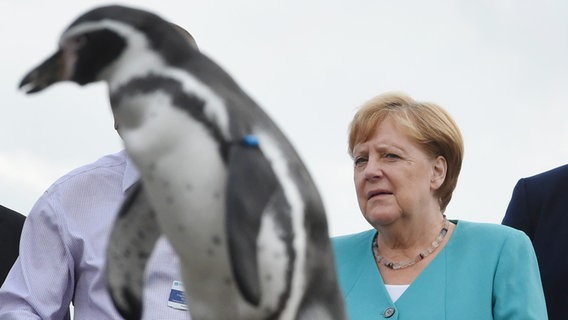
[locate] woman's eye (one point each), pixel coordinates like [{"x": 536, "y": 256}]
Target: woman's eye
[
  {"x": 391, "y": 156},
  {"x": 359, "y": 161}
]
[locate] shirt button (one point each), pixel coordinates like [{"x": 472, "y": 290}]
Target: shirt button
[{"x": 389, "y": 312}]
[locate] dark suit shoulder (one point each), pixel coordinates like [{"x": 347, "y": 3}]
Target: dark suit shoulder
[
  {"x": 556, "y": 175},
  {"x": 546, "y": 189},
  {"x": 10, "y": 218},
  {"x": 11, "y": 223}
]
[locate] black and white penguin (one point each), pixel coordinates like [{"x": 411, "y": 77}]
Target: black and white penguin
[{"x": 218, "y": 177}]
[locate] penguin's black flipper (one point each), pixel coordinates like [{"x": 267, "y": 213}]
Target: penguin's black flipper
[
  {"x": 251, "y": 185},
  {"x": 131, "y": 243}
]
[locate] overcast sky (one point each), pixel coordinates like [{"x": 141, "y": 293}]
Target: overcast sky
[{"x": 499, "y": 67}]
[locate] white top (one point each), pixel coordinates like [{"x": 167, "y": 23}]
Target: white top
[{"x": 396, "y": 290}]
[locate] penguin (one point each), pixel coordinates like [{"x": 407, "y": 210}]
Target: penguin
[{"x": 218, "y": 177}]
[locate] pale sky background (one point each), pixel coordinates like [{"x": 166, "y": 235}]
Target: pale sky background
[{"x": 499, "y": 67}]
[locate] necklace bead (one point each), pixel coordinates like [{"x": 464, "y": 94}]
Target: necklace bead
[{"x": 423, "y": 254}]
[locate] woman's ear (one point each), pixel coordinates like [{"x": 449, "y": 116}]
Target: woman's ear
[{"x": 439, "y": 169}]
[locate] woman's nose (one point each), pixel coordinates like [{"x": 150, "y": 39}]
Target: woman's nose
[{"x": 373, "y": 169}]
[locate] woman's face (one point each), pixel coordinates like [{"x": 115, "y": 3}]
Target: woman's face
[{"x": 394, "y": 176}]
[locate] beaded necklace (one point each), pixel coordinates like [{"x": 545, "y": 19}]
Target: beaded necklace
[{"x": 423, "y": 254}]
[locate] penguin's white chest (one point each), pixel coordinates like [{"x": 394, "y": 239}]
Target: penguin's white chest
[
  {"x": 180, "y": 165},
  {"x": 185, "y": 179}
]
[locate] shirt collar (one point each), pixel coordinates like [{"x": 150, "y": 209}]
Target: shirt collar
[{"x": 131, "y": 174}]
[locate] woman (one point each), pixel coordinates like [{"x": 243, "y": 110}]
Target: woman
[{"x": 416, "y": 264}]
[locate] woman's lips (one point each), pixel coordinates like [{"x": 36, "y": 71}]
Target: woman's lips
[{"x": 377, "y": 193}]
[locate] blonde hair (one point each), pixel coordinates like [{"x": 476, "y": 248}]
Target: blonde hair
[{"x": 427, "y": 123}]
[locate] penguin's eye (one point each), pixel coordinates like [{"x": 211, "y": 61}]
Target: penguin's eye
[{"x": 79, "y": 41}]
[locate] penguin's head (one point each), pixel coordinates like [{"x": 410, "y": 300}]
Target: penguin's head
[{"x": 107, "y": 43}]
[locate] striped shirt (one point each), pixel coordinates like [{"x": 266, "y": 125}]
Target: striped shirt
[{"x": 63, "y": 249}]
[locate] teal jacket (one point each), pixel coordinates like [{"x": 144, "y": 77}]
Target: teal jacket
[{"x": 485, "y": 271}]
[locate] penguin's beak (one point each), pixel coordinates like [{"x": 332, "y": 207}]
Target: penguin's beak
[{"x": 49, "y": 72}]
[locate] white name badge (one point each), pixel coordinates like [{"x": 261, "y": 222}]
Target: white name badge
[{"x": 177, "y": 299}]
